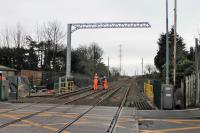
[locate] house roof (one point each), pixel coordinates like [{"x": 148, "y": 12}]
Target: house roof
[{"x": 4, "y": 68}]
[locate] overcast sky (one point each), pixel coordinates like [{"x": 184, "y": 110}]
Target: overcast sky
[{"x": 136, "y": 43}]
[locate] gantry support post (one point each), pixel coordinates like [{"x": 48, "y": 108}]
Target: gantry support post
[{"x": 68, "y": 57}]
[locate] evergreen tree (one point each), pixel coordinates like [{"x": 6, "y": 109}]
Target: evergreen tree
[{"x": 184, "y": 59}]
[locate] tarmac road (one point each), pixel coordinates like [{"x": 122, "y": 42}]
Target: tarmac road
[{"x": 169, "y": 121}]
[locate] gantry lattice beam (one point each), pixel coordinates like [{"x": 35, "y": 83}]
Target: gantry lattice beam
[{"x": 77, "y": 26}]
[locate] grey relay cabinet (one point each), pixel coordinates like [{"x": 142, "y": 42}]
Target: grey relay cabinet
[{"x": 167, "y": 96}]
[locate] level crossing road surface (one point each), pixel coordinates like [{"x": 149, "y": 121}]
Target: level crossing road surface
[
  {"x": 91, "y": 112},
  {"x": 95, "y": 121},
  {"x": 169, "y": 121},
  {"x": 98, "y": 119}
]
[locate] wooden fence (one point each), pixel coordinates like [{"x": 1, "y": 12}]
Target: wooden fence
[{"x": 189, "y": 87}]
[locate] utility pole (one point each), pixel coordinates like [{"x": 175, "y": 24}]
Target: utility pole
[
  {"x": 120, "y": 58},
  {"x": 108, "y": 67},
  {"x": 175, "y": 35},
  {"x": 197, "y": 70},
  {"x": 167, "y": 45},
  {"x": 142, "y": 66}
]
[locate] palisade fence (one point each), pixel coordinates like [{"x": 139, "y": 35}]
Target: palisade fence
[{"x": 189, "y": 87}]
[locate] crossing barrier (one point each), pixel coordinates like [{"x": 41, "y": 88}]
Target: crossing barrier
[{"x": 65, "y": 86}]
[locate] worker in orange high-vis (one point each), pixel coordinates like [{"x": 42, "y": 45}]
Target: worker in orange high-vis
[
  {"x": 2, "y": 77},
  {"x": 95, "y": 82},
  {"x": 105, "y": 83}
]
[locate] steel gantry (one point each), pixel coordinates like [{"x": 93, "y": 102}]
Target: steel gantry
[{"x": 76, "y": 26}]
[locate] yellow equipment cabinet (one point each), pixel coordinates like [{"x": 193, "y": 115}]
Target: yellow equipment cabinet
[{"x": 148, "y": 90}]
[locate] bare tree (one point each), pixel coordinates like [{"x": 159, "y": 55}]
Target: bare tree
[
  {"x": 6, "y": 37},
  {"x": 19, "y": 36},
  {"x": 38, "y": 33},
  {"x": 54, "y": 33},
  {"x": 150, "y": 68},
  {"x": 115, "y": 72},
  {"x": 95, "y": 52}
]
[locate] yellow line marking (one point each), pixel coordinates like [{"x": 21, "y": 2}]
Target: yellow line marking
[
  {"x": 179, "y": 121},
  {"x": 5, "y": 109},
  {"x": 34, "y": 124},
  {"x": 174, "y": 129},
  {"x": 20, "y": 125},
  {"x": 147, "y": 131},
  {"x": 81, "y": 123},
  {"x": 45, "y": 115},
  {"x": 171, "y": 121},
  {"x": 52, "y": 124}
]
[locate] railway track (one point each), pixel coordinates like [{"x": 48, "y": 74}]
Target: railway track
[
  {"x": 100, "y": 99},
  {"x": 121, "y": 90},
  {"x": 74, "y": 97},
  {"x": 141, "y": 105},
  {"x": 49, "y": 100},
  {"x": 73, "y": 93},
  {"x": 39, "y": 112},
  {"x": 93, "y": 98},
  {"x": 116, "y": 116},
  {"x": 136, "y": 98},
  {"x": 71, "y": 100},
  {"x": 96, "y": 103}
]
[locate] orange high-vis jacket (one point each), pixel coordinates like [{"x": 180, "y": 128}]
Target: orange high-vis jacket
[
  {"x": 105, "y": 83},
  {"x": 95, "y": 80},
  {"x": 2, "y": 77}
]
